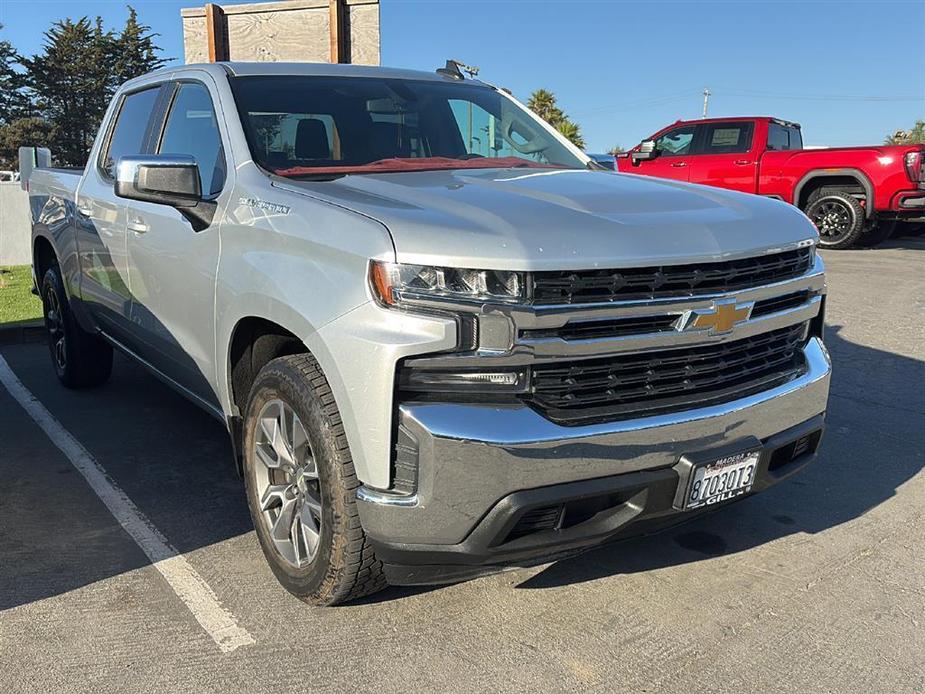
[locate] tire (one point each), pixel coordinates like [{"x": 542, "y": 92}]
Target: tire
[
  {"x": 838, "y": 216},
  {"x": 302, "y": 494},
  {"x": 80, "y": 359},
  {"x": 878, "y": 233}
]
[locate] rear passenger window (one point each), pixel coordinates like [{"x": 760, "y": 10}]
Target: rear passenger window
[
  {"x": 727, "y": 138},
  {"x": 782, "y": 138},
  {"x": 131, "y": 125},
  {"x": 193, "y": 130}
]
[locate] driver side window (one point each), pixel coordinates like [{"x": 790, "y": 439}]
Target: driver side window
[{"x": 676, "y": 142}]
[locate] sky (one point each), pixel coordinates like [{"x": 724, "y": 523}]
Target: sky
[{"x": 850, "y": 72}]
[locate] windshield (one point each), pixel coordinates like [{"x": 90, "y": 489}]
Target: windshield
[{"x": 309, "y": 126}]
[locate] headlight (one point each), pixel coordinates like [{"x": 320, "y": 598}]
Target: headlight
[{"x": 392, "y": 283}]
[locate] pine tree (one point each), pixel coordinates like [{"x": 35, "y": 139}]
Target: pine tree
[
  {"x": 135, "y": 50},
  {"x": 14, "y": 102},
  {"x": 72, "y": 81},
  {"x": 79, "y": 69}
]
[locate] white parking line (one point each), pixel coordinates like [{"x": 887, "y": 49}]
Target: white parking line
[{"x": 189, "y": 586}]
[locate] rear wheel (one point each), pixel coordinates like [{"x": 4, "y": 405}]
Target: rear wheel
[
  {"x": 81, "y": 359},
  {"x": 838, "y": 216},
  {"x": 301, "y": 486}
]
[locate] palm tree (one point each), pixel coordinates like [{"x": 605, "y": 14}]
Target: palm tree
[
  {"x": 572, "y": 131},
  {"x": 916, "y": 136},
  {"x": 543, "y": 103}
]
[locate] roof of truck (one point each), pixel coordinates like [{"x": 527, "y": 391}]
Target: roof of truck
[
  {"x": 737, "y": 118},
  {"x": 243, "y": 69}
]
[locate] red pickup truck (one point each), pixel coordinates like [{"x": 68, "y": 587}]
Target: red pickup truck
[{"x": 852, "y": 194}]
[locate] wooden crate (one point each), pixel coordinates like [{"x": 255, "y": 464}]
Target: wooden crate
[{"x": 291, "y": 30}]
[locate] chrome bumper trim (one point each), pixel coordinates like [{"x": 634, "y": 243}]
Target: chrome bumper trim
[{"x": 472, "y": 455}]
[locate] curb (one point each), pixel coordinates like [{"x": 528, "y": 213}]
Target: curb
[{"x": 20, "y": 333}]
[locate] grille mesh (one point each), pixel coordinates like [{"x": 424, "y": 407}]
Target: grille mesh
[
  {"x": 668, "y": 380},
  {"x": 594, "y": 286}
]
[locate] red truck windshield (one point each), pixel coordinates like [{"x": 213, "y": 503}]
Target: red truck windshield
[{"x": 305, "y": 126}]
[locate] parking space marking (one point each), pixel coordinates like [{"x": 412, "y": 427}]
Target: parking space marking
[{"x": 188, "y": 585}]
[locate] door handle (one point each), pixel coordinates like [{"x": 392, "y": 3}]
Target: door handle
[
  {"x": 678, "y": 164},
  {"x": 84, "y": 211},
  {"x": 137, "y": 225},
  {"x": 742, "y": 162}
]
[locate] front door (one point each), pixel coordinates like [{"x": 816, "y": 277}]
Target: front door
[
  {"x": 100, "y": 219},
  {"x": 172, "y": 267},
  {"x": 726, "y": 157},
  {"x": 674, "y": 147}
]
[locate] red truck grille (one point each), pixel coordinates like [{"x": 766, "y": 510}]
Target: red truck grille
[
  {"x": 596, "y": 286},
  {"x": 635, "y": 385}
]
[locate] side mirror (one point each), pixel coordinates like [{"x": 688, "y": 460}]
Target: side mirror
[
  {"x": 645, "y": 152},
  {"x": 166, "y": 179},
  {"x": 163, "y": 179}
]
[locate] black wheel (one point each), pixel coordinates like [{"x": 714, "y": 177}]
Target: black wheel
[
  {"x": 301, "y": 486},
  {"x": 878, "y": 233},
  {"x": 838, "y": 216},
  {"x": 81, "y": 359}
]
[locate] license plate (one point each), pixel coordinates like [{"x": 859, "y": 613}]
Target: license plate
[{"x": 722, "y": 480}]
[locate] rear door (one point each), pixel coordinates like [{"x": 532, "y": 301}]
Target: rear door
[
  {"x": 675, "y": 147},
  {"x": 726, "y": 156},
  {"x": 172, "y": 267},
  {"x": 101, "y": 240}
]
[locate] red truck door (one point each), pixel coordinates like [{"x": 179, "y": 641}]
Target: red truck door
[
  {"x": 673, "y": 161},
  {"x": 727, "y": 156}
]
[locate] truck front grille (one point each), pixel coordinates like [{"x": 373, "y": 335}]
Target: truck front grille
[
  {"x": 596, "y": 286},
  {"x": 632, "y": 385}
]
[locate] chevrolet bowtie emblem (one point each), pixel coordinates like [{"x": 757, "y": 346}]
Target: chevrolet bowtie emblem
[{"x": 722, "y": 318}]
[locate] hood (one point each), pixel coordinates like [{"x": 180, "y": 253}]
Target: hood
[{"x": 529, "y": 219}]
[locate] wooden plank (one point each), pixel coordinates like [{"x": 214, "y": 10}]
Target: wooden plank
[
  {"x": 338, "y": 32},
  {"x": 216, "y": 33}
]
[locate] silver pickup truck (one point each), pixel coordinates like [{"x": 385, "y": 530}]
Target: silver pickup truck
[{"x": 442, "y": 340}]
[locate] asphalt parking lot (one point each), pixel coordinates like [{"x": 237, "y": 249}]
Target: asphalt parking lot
[{"x": 818, "y": 585}]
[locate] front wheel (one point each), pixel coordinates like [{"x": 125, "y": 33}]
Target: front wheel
[
  {"x": 838, "y": 217},
  {"x": 301, "y": 486}
]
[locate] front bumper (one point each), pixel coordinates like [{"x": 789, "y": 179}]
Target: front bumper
[{"x": 481, "y": 468}]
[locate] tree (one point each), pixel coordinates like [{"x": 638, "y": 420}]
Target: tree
[
  {"x": 23, "y": 132},
  {"x": 915, "y": 136},
  {"x": 14, "y": 102},
  {"x": 572, "y": 132},
  {"x": 78, "y": 71},
  {"x": 135, "y": 50},
  {"x": 615, "y": 150},
  {"x": 72, "y": 82},
  {"x": 543, "y": 103}
]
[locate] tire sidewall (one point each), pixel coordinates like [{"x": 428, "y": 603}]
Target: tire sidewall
[
  {"x": 52, "y": 282},
  {"x": 853, "y": 207},
  {"x": 277, "y": 381}
]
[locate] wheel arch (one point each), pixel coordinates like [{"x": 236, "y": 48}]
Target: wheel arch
[
  {"x": 833, "y": 177},
  {"x": 43, "y": 256}
]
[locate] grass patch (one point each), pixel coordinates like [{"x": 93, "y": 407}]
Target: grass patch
[{"x": 17, "y": 303}]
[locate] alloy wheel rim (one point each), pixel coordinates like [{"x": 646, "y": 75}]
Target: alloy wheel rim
[
  {"x": 287, "y": 484},
  {"x": 833, "y": 220},
  {"x": 54, "y": 325}
]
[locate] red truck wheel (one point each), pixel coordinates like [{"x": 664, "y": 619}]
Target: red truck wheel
[{"x": 838, "y": 216}]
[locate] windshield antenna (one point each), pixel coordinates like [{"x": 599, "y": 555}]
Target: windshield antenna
[{"x": 452, "y": 69}]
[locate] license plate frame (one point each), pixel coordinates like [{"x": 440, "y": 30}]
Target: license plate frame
[{"x": 710, "y": 465}]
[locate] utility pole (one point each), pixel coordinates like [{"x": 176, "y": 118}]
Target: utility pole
[{"x": 706, "y": 100}]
